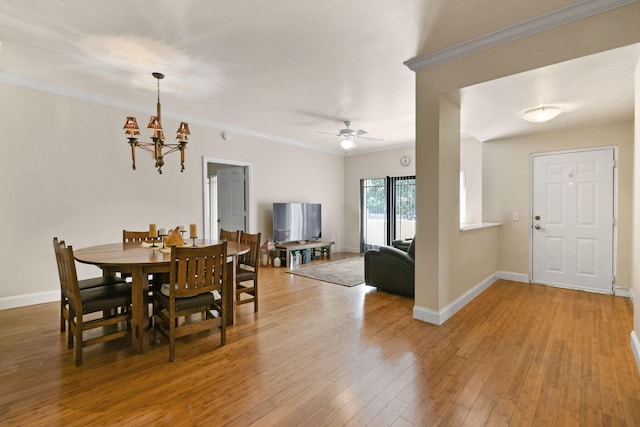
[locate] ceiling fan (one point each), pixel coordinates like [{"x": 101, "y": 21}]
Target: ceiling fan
[{"x": 348, "y": 136}]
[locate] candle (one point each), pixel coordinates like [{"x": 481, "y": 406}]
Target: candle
[
  {"x": 162, "y": 231},
  {"x": 193, "y": 233},
  {"x": 153, "y": 231},
  {"x": 182, "y": 228}
]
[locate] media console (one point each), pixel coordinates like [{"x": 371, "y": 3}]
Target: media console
[{"x": 301, "y": 246}]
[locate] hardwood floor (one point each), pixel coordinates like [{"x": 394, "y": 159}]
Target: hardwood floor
[{"x": 326, "y": 355}]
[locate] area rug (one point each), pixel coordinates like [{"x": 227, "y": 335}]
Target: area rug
[{"x": 345, "y": 272}]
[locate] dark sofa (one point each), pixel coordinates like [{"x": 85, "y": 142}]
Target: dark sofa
[{"x": 390, "y": 269}]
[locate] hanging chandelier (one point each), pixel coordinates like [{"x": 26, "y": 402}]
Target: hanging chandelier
[{"x": 158, "y": 147}]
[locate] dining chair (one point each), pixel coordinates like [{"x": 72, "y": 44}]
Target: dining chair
[
  {"x": 133, "y": 237},
  {"x": 136, "y": 236},
  {"x": 247, "y": 271},
  {"x": 94, "y": 282},
  {"x": 230, "y": 236},
  {"x": 197, "y": 275},
  {"x": 105, "y": 307}
]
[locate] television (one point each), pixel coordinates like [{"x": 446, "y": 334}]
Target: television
[{"x": 296, "y": 222}]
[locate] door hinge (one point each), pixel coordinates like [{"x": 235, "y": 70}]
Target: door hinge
[
  {"x": 613, "y": 280},
  {"x": 614, "y": 222}
]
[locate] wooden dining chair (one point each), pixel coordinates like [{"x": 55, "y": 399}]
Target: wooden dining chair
[
  {"x": 247, "y": 271},
  {"x": 133, "y": 237},
  {"x": 197, "y": 275},
  {"x": 229, "y": 236},
  {"x": 94, "y": 282},
  {"x": 108, "y": 307},
  {"x": 136, "y": 236}
]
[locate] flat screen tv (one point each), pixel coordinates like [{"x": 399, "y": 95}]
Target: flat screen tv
[{"x": 297, "y": 221}]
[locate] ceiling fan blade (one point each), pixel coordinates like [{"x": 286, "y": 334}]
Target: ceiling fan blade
[
  {"x": 366, "y": 138},
  {"x": 325, "y": 140},
  {"x": 328, "y": 133},
  {"x": 360, "y": 132}
]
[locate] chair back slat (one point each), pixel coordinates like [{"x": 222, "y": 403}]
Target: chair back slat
[
  {"x": 195, "y": 270},
  {"x": 252, "y": 257},
  {"x": 135, "y": 236},
  {"x": 230, "y": 236}
]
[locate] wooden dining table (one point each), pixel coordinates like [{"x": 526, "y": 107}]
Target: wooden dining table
[{"x": 139, "y": 261}]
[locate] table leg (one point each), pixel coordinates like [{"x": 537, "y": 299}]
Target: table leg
[
  {"x": 230, "y": 296},
  {"x": 139, "y": 311}
]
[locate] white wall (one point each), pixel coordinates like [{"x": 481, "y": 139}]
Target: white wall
[
  {"x": 507, "y": 189},
  {"x": 363, "y": 166},
  {"x": 66, "y": 171},
  {"x": 434, "y": 143},
  {"x": 471, "y": 163}
]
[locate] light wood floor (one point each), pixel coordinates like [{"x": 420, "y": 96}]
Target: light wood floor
[{"x": 323, "y": 354}]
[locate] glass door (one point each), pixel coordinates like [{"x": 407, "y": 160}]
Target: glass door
[
  {"x": 373, "y": 224},
  {"x": 388, "y": 210}
]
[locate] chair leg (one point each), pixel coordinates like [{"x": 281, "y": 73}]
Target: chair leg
[
  {"x": 255, "y": 296},
  {"x": 172, "y": 339},
  {"x": 63, "y": 322}
]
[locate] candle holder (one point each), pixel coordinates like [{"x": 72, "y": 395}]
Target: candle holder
[
  {"x": 162, "y": 237},
  {"x": 193, "y": 240},
  {"x": 153, "y": 243}
]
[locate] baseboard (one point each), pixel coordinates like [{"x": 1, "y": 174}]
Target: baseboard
[
  {"x": 514, "y": 277},
  {"x": 635, "y": 347},
  {"x": 29, "y": 299},
  {"x": 622, "y": 291},
  {"x": 439, "y": 317}
]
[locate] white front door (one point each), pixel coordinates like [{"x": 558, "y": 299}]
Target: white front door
[
  {"x": 231, "y": 199},
  {"x": 573, "y": 218}
]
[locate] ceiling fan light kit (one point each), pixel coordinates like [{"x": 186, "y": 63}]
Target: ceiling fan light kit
[
  {"x": 541, "y": 114},
  {"x": 158, "y": 147},
  {"x": 348, "y": 136}
]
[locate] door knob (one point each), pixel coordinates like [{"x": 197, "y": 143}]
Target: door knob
[{"x": 537, "y": 227}]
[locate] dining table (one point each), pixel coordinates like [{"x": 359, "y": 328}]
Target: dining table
[{"x": 139, "y": 260}]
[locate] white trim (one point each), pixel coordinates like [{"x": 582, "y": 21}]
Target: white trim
[
  {"x": 513, "y": 277},
  {"x": 565, "y": 15},
  {"x": 439, "y": 317},
  {"x": 622, "y": 291},
  {"x": 478, "y": 226},
  {"x": 29, "y": 299},
  {"x": 635, "y": 347}
]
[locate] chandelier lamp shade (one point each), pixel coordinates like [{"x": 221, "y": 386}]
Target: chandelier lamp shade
[{"x": 158, "y": 148}]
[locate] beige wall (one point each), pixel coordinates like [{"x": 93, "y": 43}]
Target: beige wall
[
  {"x": 362, "y": 166},
  {"x": 434, "y": 147},
  {"x": 507, "y": 189},
  {"x": 66, "y": 171}
]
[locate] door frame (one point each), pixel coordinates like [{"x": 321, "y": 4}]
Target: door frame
[
  {"x": 614, "y": 261},
  {"x": 206, "y": 211}
]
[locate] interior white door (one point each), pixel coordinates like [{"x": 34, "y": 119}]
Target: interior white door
[
  {"x": 231, "y": 199},
  {"x": 573, "y": 219}
]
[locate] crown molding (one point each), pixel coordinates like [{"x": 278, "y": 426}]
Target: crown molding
[
  {"x": 572, "y": 13},
  {"x": 131, "y": 106}
]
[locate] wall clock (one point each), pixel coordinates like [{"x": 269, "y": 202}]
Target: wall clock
[{"x": 405, "y": 160}]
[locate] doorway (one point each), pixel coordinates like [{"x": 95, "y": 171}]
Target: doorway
[
  {"x": 572, "y": 233},
  {"x": 226, "y": 196}
]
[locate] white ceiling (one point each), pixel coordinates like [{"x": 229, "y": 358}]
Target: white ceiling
[{"x": 289, "y": 71}]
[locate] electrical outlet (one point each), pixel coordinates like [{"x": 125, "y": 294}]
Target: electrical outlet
[{"x": 516, "y": 216}]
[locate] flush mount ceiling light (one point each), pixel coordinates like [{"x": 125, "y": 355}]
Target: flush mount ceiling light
[
  {"x": 541, "y": 114},
  {"x": 158, "y": 147}
]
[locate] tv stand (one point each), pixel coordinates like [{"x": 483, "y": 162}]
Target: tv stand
[{"x": 308, "y": 244}]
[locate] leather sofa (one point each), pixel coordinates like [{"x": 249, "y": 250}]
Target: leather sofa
[{"x": 391, "y": 269}]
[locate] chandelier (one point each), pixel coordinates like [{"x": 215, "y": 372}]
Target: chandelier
[{"x": 158, "y": 147}]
